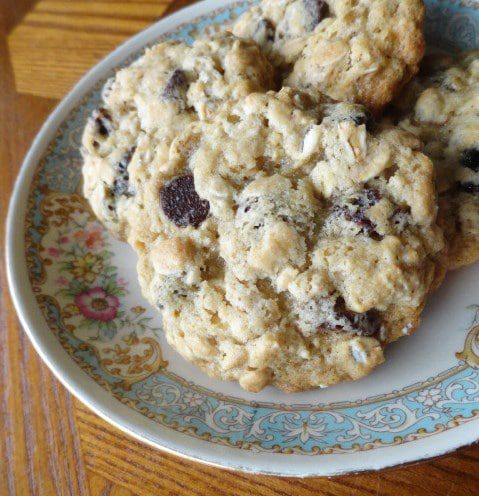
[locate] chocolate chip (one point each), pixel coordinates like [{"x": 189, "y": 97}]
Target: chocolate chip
[
  {"x": 317, "y": 11},
  {"x": 400, "y": 217},
  {"x": 363, "y": 324},
  {"x": 470, "y": 158},
  {"x": 250, "y": 202},
  {"x": 368, "y": 197},
  {"x": 181, "y": 204},
  {"x": 375, "y": 235},
  {"x": 469, "y": 188},
  {"x": 264, "y": 31},
  {"x": 365, "y": 118},
  {"x": 359, "y": 116},
  {"x": 121, "y": 186},
  {"x": 103, "y": 122},
  {"x": 367, "y": 225},
  {"x": 357, "y": 214},
  {"x": 126, "y": 159},
  {"x": 175, "y": 87}
]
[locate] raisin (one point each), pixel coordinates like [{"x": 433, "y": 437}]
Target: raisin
[
  {"x": 103, "y": 122},
  {"x": 470, "y": 159},
  {"x": 175, "y": 86},
  {"x": 317, "y": 11},
  {"x": 469, "y": 188},
  {"x": 365, "y": 118},
  {"x": 121, "y": 185},
  {"x": 181, "y": 203},
  {"x": 363, "y": 324},
  {"x": 264, "y": 31}
]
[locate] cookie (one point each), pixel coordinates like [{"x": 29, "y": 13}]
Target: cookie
[
  {"x": 361, "y": 52},
  {"x": 442, "y": 109},
  {"x": 146, "y": 105},
  {"x": 293, "y": 241}
]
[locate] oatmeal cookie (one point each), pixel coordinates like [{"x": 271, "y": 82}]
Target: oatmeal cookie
[
  {"x": 442, "y": 108},
  {"x": 357, "y": 51},
  {"x": 146, "y": 105},
  {"x": 293, "y": 240}
]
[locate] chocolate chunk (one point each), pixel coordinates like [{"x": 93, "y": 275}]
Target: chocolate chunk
[
  {"x": 176, "y": 86},
  {"x": 181, "y": 204},
  {"x": 103, "y": 122},
  {"x": 470, "y": 158},
  {"x": 363, "y": 324},
  {"x": 121, "y": 185},
  {"x": 469, "y": 188},
  {"x": 317, "y": 11},
  {"x": 264, "y": 31}
]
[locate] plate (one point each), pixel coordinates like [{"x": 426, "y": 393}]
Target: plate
[{"x": 423, "y": 402}]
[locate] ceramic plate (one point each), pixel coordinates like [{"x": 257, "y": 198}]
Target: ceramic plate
[{"x": 423, "y": 402}]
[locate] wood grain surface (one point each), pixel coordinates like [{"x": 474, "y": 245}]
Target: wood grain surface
[{"x": 50, "y": 444}]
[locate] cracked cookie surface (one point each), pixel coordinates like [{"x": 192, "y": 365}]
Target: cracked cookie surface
[
  {"x": 358, "y": 51},
  {"x": 146, "y": 105},
  {"x": 308, "y": 243},
  {"x": 442, "y": 109}
]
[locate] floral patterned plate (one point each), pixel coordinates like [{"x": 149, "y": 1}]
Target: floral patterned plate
[{"x": 76, "y": 292}]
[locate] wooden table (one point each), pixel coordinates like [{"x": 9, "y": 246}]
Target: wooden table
[{"x": 50, "y": 443}]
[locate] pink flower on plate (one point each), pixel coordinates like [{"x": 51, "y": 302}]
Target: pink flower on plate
[
  {"x": 97, "y": 304},
  {"x": 94, "y": 238},
  {"x": 53, "y": 252},
  {"x": 61, "y": 281},
  {"x": 64, "y": 239}
]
